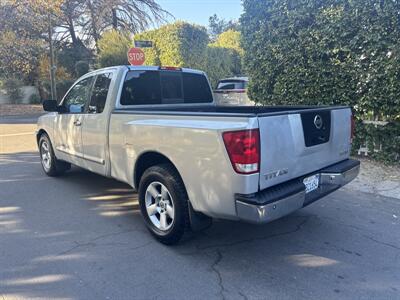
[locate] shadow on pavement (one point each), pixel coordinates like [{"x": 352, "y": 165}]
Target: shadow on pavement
[{"x": 81, "y": 236}]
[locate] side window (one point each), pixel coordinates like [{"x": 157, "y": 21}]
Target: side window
[
  {"x": 99, "y": 93},
  {"x": 75, "y": 100}
]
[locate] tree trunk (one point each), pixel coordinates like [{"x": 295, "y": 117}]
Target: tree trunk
[
  {"x": 95, "y": 32},
  {"x": 71, "y": 29},
  {"x": 114, "y": 19}
]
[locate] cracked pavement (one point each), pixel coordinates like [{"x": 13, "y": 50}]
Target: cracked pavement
[{"x": 81, "y": 236}]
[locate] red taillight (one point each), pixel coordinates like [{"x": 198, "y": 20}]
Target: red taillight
[
  {"x": 243, "y": 148},
  {"x": 353, "y": 127}
]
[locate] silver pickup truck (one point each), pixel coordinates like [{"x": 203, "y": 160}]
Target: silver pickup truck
[{"x": 158, "y": 129}]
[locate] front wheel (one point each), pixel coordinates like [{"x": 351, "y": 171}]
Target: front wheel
[
  {"x": 164, "y": 203},
  {"x": 50, "y": 164}
]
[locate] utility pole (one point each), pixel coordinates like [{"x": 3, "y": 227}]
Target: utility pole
[{"x": 52, "y": 66}]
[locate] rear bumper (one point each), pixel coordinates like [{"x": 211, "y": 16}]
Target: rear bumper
[{"x": 280, "y": 200}]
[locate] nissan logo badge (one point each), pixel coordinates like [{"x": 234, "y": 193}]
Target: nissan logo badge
[{"x": 318, "y": 122}]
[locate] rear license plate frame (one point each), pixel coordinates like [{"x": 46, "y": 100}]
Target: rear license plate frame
[{"x": 311, "y": 183}]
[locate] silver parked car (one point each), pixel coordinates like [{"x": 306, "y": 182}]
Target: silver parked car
[{"x": 232, "y": 91}]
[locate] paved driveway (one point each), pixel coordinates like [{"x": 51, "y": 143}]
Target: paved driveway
[{"x": 81, "y": 236}]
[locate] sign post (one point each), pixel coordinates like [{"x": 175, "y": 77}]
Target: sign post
[{"x": 136, "y": 56}]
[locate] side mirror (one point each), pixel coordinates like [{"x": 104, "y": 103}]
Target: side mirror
[{"x": 50, "y": 105}]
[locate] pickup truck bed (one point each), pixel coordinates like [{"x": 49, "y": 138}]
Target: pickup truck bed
[{"x": 228, "y": 111}]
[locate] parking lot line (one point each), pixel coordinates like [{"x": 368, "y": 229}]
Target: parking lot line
[{"x": 16, "y": 134}]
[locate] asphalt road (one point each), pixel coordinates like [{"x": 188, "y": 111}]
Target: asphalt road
[{"x": 81, "y": 236}]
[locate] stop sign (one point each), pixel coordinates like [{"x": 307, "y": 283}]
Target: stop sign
[{"x": 136, "y": 56}]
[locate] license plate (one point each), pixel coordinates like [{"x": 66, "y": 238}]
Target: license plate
[{"x": 311, "y": 183}]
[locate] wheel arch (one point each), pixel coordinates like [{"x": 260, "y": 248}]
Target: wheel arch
[
  {"x": 40, "y": 133},
  {"x": 197, "y": 220},
  {"x": 147, "y": 160}
]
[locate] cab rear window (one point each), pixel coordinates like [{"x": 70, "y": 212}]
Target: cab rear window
[{"x": 165, "y": 87}]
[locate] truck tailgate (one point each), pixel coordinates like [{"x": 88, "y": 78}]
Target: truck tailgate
[{"x": 297, "y": 143}]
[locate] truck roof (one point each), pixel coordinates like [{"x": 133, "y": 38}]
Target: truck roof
[
  {"x": 148, "y": 68},
  {"x": 156, "y": 68}
]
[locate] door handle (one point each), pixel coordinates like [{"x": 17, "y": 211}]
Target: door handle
[{"x": 77, "y": 123}]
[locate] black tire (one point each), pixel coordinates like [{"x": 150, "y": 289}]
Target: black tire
[
  {"x": 169, "y": 177},
  {"x": 55, "y": 166}
]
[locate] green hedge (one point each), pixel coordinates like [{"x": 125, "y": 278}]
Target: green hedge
[
  {"x": 221, "y": 63},
  {"x": 327, "y": 52},
  {"x": 179, "y": 44},
  {"x": 385, "y": 139},
  {"x": 113, "y": 48},
  {"x": 185, "y": 45}
]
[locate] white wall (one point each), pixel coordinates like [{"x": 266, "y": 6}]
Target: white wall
[{"x": 27, "y": 91}]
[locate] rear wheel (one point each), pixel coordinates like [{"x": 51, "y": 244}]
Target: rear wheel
[
  {"x": 164, "y": 203},
  {"x": 50, "y": 164}
]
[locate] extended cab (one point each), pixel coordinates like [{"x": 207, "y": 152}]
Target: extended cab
[{"x": 158, "y": 129}]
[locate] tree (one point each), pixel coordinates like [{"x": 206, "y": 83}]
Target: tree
[
  {"x": 324, "y": 52},
  {"x": 135, "y": 16},
  {"x": 71, "y": 11},
  {"x": 216, "y": 26},
  {"x": 23, "y": 28},
  {"x": 328, "y": 52},
  {"x": 81, "y": 68},
  {"x": 229, "y": 39},
  {"x": 78, "y": 25},
  {"x": 113, "y": 47},
  {"x": 93, "y": 17},
  {"x": 186, "y": 45}
]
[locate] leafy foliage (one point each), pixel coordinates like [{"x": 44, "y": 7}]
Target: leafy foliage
[
  {"x": 35, "y": 99},
  {"x": 69, "y": 54},
  {"x": 217, "y": 26},
  {"x": 325, "y": 52},
  {"x": 22, "y": 26},
  {"x": 79, "y": 24},
  {"x": 113, "y": 47},
  {"x": 13, "y": 89},
  {"x": 81, "y": 68},
  {"x": 179, "y": 44},
  {"x": 186, "y": 45},
  {"x": 386, "y": 139},
  {"x": 229, "y": 39},
  {"x": 62, "y": 87},
  {"x": 230, "y": 57},
  {"x": 86, "y": 20},
  {"x": 44, "y": 70},
  {"x": 220, "y": 63}
]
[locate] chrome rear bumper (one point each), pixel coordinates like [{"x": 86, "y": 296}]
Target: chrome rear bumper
[{"x": 283, "y": 199}]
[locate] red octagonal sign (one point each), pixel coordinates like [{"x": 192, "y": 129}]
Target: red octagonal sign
[{"x": 136, "y": 56}]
